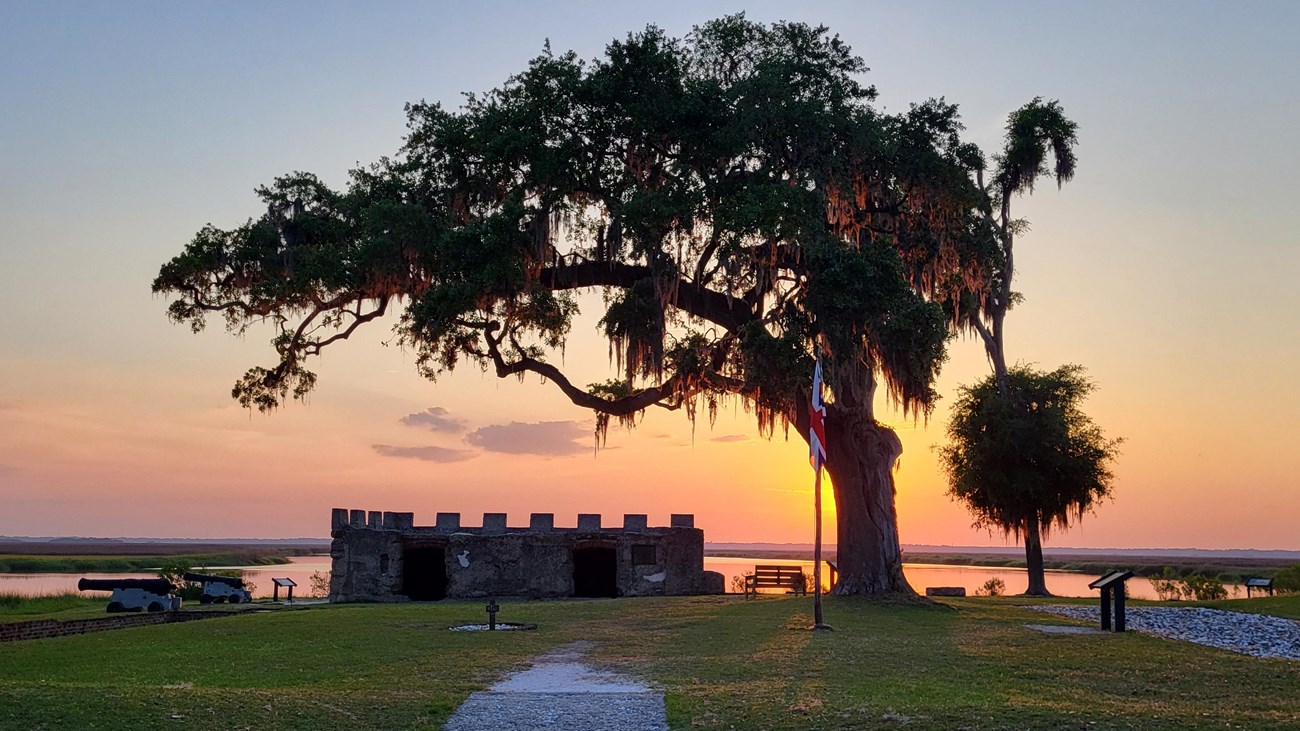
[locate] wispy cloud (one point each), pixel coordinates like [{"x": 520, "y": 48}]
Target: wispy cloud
[
  {"x": 730, "y": 438},
  {"x": 435, "y": 418},
  {"x": 428, "y": 454},
  {"x": 545, "y": 438}
]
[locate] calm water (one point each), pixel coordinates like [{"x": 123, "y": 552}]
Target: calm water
[
  {"x": 299, "y": 568},
  {"x": 920, "y": 576}
]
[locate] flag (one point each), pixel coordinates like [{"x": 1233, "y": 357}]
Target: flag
[{"x": 817, "y": 422}]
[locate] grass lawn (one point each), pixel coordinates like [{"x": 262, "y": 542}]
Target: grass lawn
[
  {"x": 723, "y": 662},
  {"x": 68, "y": 605}
]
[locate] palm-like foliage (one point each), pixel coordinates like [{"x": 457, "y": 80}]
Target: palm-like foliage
[{"x": 1032, "y": 132}]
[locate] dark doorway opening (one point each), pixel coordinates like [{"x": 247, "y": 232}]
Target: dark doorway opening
[
  {"x": 595, "y": 572},
  {"x": 424, "y": 573}
]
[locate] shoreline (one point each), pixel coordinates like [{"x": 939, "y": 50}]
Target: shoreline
[
  {"x": 1145, "y": 565},
  {"x": 82, "y": 554}
]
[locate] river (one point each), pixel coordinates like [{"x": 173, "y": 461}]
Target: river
[{"x": 301, "y": 568}]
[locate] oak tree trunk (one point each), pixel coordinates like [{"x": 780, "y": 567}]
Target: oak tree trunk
[
  {"x": 1034, "y": 560},
  {"x": 860, "y": 459}
]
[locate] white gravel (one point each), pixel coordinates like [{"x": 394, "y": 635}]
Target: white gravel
[
  {"x": 559, "y": 692},
  {"x": 1260, "y": 635}
]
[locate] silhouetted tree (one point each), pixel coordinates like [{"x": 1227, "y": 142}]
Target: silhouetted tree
[
  {"x": 1030, "y": 461},
  {"x": 736, "y": 196},
  {"x": 1033, "y": 131}
]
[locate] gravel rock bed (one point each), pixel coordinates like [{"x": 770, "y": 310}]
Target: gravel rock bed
[
  {"x": 1260, "y": 635},
  {"x": 501, "y": 627},
  {"x": 562, "y": 693},
  {"x": 489, "y": 711}
]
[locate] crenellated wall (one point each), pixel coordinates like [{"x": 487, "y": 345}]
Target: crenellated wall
[{"x": 384, "y": 556}]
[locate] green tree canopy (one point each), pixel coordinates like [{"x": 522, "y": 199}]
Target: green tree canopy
[
  {"x": 1032, "y": 461},
  {"x": 735, "y": 195}
]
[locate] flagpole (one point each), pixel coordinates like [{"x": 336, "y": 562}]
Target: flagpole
[
  {"x": 817, "y": 552},
  {"x": 817, "y": 455}
]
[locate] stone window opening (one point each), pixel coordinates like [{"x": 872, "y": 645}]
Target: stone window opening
[{"x": 644, "y": 556}]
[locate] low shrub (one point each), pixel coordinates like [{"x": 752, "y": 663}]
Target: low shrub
[
  {"x": 1203, "y": 588},
  {"x": 738, "y": 582},
  {"x": 1199, "y": 587},
  {"x": 319, "y": 584},
  {"x": 1287, "y": 580}
]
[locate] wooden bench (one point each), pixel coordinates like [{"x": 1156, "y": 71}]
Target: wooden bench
[{"x": 790, "y": 578}]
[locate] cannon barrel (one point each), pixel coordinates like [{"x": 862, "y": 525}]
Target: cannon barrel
[
  {"x": 156, "y": 586},
  {"x": 234, "y": 581}
]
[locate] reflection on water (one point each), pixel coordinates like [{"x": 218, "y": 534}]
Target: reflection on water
[{"x": 920, "y": 576}]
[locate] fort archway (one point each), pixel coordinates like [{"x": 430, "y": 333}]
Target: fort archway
[
  {"x": 595, "y": 569},
  {"x": 424, "y": 571}
]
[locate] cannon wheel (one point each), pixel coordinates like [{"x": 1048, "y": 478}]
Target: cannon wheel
[
  {"x": 155, "y": 607},
  {"x": 115, "y": 607},
  {"x": 233, "y": 599}
]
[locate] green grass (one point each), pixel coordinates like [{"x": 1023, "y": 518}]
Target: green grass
[
  {"x": 723, "y": 663},
  {"x": 11, "y": 563},
  {"x": 1280, "y": 606}
]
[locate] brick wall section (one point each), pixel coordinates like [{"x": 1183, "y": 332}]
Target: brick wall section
[{"x": 43, "y": 628}]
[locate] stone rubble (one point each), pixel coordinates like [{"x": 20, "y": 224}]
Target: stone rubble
[{"x": 1260, "y": 635}]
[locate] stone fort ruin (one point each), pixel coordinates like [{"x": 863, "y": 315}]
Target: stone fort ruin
[{"x": 385, "y": 557}]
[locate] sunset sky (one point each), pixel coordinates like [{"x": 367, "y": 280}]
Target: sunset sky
[{"x": 1168, "y": 268}]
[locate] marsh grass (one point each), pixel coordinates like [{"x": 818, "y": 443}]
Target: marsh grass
[
  {"x": 47, "y": 606},
  {"x": 723, "y": 663}
]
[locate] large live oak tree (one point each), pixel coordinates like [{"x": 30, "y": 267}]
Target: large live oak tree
[{"x": 734, "y": 194}]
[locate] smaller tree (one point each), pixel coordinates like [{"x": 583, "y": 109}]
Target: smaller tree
[
  {"x": 1028, "y": 462},
  {"x": 174, "y": 570}
]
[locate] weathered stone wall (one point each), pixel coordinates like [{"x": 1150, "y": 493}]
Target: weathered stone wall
[
  {"x": 513, "y": 564},
  {"x": 42, "y": 628},
  {"x": 358, "y": 568},
  {"x": 370, "y": 556}
]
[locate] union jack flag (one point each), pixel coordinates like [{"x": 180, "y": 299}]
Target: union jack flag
[{"x": 817, "y": 422}]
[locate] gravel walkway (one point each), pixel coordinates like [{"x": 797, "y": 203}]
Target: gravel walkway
[
  {"x": 1260, "y": 635},
  {"x": 559, "y": 692}
]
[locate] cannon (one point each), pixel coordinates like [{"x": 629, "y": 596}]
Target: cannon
[
  {"x": 217, "y": 589},
  {"x": 134, "y": 595}
]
